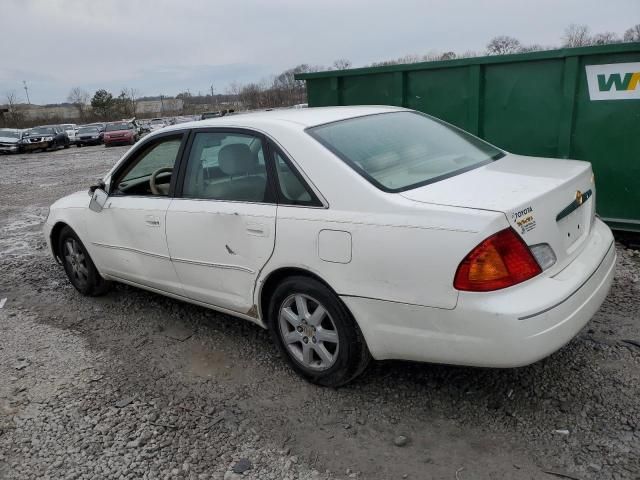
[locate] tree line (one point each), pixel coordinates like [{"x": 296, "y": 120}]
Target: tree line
[{"x": 283, "y": 89}]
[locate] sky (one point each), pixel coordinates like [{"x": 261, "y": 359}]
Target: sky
[{"x": 169, "y": 46}]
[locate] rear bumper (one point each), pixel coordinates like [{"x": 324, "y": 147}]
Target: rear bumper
[{"x": 508, "y": 328}]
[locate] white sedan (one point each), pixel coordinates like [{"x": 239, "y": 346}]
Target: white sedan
[{"x": 350, "y": 233}]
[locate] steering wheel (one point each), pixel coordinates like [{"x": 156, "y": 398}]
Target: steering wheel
[{"x": 152, "y": 180}]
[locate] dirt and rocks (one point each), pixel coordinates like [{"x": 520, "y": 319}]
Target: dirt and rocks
[{"x": 135, "y": 385}]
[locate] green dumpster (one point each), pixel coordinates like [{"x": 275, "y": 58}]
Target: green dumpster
[{"x": 581, "y": 103}]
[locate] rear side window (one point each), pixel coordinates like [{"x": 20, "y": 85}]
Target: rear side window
[
  {"x": 398, "y": 151},
  {"x": 226, "y": 166},
  {"x": 292, "y": 189}
]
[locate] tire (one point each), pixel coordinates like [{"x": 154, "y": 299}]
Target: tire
[
  {"x": 78, "y": 145},
  {"x": 80, "y": 269},
  {"x": 67, "y": 145},
  {"x": 328, "y": 362}
]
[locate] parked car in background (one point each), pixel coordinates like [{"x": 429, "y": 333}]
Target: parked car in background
[
  {"x": 11, "y": 140},
  {"x": 89, "y": 135},
  {"x": 157, "y": 123},
  {"x": 119, "y": 133},
  {"x": 101, "y": 125},
  {"x": 216, "y": 114},
  {"x": 399, "y": 236},
  {"x": 70, "y": 129},
  {"x": 45, "y": 137}
]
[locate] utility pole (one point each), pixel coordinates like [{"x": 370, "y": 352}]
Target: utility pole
[{"x": 26, "y": 90}]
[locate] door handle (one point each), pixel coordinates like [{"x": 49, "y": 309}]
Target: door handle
[
  {"x": 257, "y": 229},
  {"x": 152, "y": 221}
]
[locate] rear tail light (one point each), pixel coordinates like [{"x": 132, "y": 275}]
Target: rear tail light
[{"x": 500, "y": 261}]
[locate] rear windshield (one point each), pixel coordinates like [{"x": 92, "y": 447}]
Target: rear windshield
[
  {"x": 9, "y": 133},
  {"x": 112, "y": 127},
  {"x": 399, "y": 151}
]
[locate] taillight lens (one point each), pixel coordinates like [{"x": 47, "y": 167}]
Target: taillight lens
[{"x": 500, "y": 261}]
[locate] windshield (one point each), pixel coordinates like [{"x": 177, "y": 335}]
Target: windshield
[
  {"x": 88, "y": 130},
  {"x": 9, "y": 133},
  {"x": 112, "y": 127},
  {"x": 42, "y": 131},
  {"x": 402, "y": 150}
]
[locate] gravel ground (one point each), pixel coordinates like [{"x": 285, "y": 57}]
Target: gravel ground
[{"x": 135, "y": 385}]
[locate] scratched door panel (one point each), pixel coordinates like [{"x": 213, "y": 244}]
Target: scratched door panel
[{"x": 218, "y": 248}]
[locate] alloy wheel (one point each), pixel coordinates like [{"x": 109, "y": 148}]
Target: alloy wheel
[
  {"x": 76, "y": 260},
  {"x": 308, "y": 332}
]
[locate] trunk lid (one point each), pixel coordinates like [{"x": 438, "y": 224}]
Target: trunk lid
[{"x": 545, "y": 200}]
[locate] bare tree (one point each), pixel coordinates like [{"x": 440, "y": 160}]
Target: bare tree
[
  {"x": 79, "y": 98},
  {"x": 342, "y": 64},
  {"x": 503, "y": 45},
  {"x": 576, "y": 36},
  {"x": 448, "y": 56},
  {"x": 132, "y": 97},
  {"x": 534, "y": 47},
  {"x": 14, "y": 115},
  {"x": 632, "y": 34},
  {"x": 605, "y": 38}
]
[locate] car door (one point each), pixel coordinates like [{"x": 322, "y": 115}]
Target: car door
[
  {"x": 221, "y": 225},
  {"x": 128, "y": 235}
]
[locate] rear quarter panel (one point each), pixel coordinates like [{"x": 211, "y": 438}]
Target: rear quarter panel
[{"x": 410, "y": 256}]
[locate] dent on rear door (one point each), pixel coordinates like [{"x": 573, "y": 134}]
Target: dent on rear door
[{"x": 218, "y": 248}]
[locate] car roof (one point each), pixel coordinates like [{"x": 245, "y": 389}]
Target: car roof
[{"x": 299, "y": 118}]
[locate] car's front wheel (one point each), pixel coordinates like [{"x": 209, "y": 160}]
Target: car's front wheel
[
  {"x": 78, "y": 265},
  {"x": 316, "y": 333}
]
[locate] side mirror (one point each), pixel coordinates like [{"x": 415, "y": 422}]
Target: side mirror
[
  {"x": 98, "y": 186},
  {"x": 98, "y": 199}
]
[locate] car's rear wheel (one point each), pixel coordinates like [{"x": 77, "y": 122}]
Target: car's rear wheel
[
  {"x": 316, "y": 333},
  {"x": 78, "y": 265}
]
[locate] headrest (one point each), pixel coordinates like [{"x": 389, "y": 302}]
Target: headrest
[
  {"x": 382, "y": 161},
  {"x": 235, "y": 159}
]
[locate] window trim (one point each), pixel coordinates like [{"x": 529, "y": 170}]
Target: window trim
[
  {"x": 311, "y": 131},
  {"x": 315, "y": 202},
  {"x": 271, "y": 194},
  {"x": 133, "y": 154}
]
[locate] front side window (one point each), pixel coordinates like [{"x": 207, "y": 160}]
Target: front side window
[
  {"x": 402, "y": 150},
  {"x": 151, "y": 169},
  {"x": 226, "y": 166}
]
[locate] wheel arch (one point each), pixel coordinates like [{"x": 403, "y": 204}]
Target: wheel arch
[
  {"x": 271, "y": 281},
  {"x": 54, "y": 238}
]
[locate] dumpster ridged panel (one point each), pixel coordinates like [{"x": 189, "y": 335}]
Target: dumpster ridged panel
[
  {"x": 516, "y": 120},
  {"x": 368, "y": 90},
  {"x": 443, "y": 93},
  {"x": 532, "y": 104}
]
